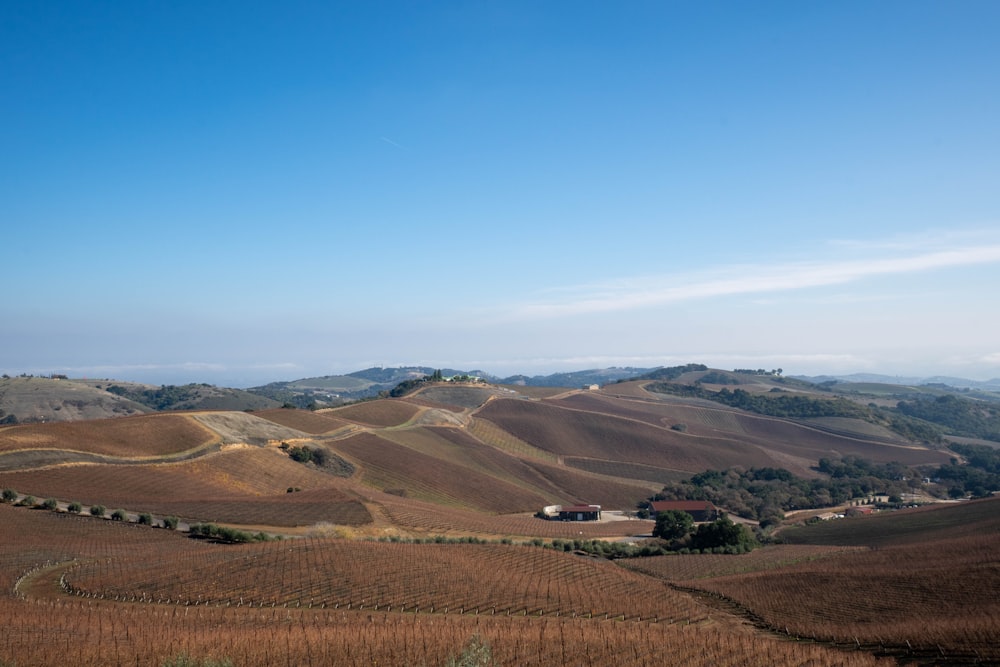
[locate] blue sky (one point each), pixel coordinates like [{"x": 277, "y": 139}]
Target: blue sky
[{"x": 241, "y": 192}]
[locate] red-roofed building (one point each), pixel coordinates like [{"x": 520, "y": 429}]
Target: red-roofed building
[
  {"x": 580, "y": 513},
  {"x": 700, "y": 510}
]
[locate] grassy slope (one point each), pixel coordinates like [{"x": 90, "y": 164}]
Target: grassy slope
[
  {"x": 43, "y": 399},
  {"x": 38, "y": 399}
]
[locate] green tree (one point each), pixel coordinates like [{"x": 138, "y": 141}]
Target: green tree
[
  {"x": 673, "y": 525},
  {"x": 170, "y": 522},
  {"x": 119, "y": 515},
  {"x": 9, "y": 495},
  {"x": 50, "y": 504},
  {"x": 723, "y": 534},
  {"x": 145, "y": 519},
  {"x": 97, "y": 510},
  {"x": 74, "y": 507}
]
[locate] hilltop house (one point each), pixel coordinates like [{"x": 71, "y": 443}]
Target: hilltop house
[{"x": 700, "y": 510}]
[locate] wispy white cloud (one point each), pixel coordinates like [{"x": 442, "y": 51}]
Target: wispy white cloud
[
  {"x": 392, "y": 143},
  {"x": 924, "y": 240},
  {"x": 748, "y": 279}
]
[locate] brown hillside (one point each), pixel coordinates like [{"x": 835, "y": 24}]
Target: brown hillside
[
  {"x": 45, "y": 625},
  {"x": 939, "y": 521},
  {"x": 785, "y": 440},
  {"x": 600, "y": 436},
  {"x": 329, "y": 572},
  {"x": 938, "y": 595},
  {"x": 459, "y": 396},
  {"x": 139, "y": 436},
  {"x": 559, "y": 485},
  {"x": 382, "y": 412},
  {"x": 243, "y": 486},
  {"x": 388, "y": 465},
  {"x": 306, "y": 421}
]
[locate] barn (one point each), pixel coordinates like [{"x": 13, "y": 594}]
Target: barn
[
  {"x": 580, "y": 513},
  {"x": 700, "y": 510}
]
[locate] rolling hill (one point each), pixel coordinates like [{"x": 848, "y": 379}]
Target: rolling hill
[
  {"x": 29, "y": 399},
  {"x": 472, "y": 449},
  {"x": 410, "y": 531}
]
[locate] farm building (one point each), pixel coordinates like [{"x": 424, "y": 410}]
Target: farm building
[
  {"x": 700, "y": 510},
  {"x": 580, "y": 513}
]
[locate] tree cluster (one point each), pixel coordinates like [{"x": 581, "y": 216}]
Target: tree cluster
[
  {"x": 407, "y": 386},
  {"x": 305, "y": 454},
  {"x": 960, "y": 416},
  {"x": 765, "y": 494},
  {"x": 722, "y": 535},
  {"x": 978, "y": 477},
  {"x": 671, "y": 372},
  {"x": 164, "y": 398},
  {"x": 226, "y": 534}
]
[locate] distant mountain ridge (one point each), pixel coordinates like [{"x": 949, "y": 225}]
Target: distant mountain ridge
[
  {"x": 370, "y": 382},
  {"x": 57, "y": 398},
  {"x": 959, "y": 383}
]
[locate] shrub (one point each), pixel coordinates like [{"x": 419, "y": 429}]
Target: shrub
[
  {"x": 145, "y": 519},
  {"x": 119, "y": 515},
  {"x": 74, "y": 507},
  {"x": 476, "y": 653},
  {"x": 9, "y": 495},
  {"x": 27, "y": 501},
  {"x": 50, "y": 504},
  {"x": 97, "y": 510},
  {"x": 170, "y": 522},
  {"x": 301, "y": 454}
]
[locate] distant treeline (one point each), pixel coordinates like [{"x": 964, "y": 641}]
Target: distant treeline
[
  {"x": 167, "y": 397},
  {"x": 671, "y": 373},
  {"x": 979, "y": 477},
  {"x": 961, "y": 416}
]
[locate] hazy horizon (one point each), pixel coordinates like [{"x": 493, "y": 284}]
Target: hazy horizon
[
  {"x": 154, "y": 376},
  {"x": 238, "y": 193}
]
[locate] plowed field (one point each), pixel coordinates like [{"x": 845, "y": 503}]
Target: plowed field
[{"x": 140, "y": 436}]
